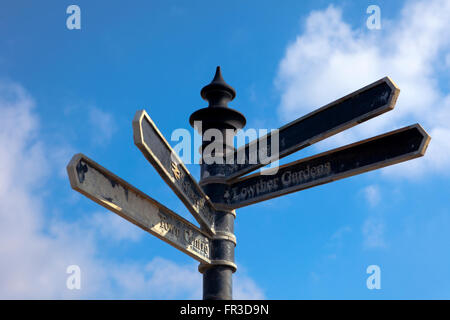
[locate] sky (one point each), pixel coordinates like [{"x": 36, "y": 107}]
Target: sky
[{"x": 67, "y": 91}]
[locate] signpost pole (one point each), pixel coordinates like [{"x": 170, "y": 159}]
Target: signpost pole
[
  {"x": 223, "y": 186},
  {"x": 221, "y": 122}
]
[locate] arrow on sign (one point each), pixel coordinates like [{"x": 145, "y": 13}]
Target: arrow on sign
[
  {"x": 377, "y": 152},
  {"x": 157, "y": 150},
  {"x": 346, "y": 112},
  {"x": 113, "y": 193}
]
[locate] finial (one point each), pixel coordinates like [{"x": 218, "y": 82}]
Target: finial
[
  {"x": 218, "y": 92},
  {"x": 218, "y": 115},
  {"x": 218, "y": 76}
]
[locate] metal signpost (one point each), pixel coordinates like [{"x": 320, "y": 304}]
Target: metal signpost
[
  {"x": 374, "y": 153},
  {"x": 108, "y": 190},
  {"x": 222, "y": 187},
  {"x": 158, "y": 151},
  {"x": 346, "y": 112}
]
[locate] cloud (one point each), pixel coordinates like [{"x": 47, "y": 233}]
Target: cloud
[
  {"x": 336, "y": 241},
  {"x": 244, "y": 288},
  {"x": 23, "y": 248},
  {"x": 373, "y": 228},
  {"x": 330, "y": 59},
  {"x": 372, "y": 194},
  {"x": 37, "y": 247},
  {"x": 35, "y": 250},
  {"x": 113, "y": 227},
  {"x": 447, "y": 60},
  {"x": 164, "y": 279},
  {"x": 157, "y": 279}
]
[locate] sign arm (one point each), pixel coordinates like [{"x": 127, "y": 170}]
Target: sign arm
[
  {"x": 377, "y": 152},
  {"x": 115, "y": 194},
  {"x": 346, "y": 112},
  {"x": 159, "y": 153}
]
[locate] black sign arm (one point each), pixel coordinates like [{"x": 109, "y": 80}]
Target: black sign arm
[
  {"x": 164, "y": 159},
  {"x": 346, "y": 112},
  {"x": 384, "y": 150}
]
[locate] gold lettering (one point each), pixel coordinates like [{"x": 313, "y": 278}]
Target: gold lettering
[
  {"x": 168, "y": 227},
  {"x": 176, "y": 172}
]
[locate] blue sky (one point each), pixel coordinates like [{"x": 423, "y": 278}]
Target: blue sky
[{"x": 67, "y": 91}]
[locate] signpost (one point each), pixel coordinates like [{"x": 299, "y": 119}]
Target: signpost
[
  {"x": 113, "y": 193},
  {"x": 222, "y": 188},
  {"x": 170, "y": 167},
  {"x": 346, "y": 112},
  {"x": 363, "y": 156}
]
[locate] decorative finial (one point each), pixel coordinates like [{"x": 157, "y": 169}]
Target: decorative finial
[
  {"x": 218, "y": 115},
  {"x": 218, "y": 92},
  {"x": 218, "y": 76}
]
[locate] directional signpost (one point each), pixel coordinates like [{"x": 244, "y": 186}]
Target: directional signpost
[
  {"x": 113, "y": 193},
  {"x": 170, "y": 167},
  {"x": 346, "y": 112},
  {"x": 223, "y": 186},
  {"x": 374, "y": 153}
]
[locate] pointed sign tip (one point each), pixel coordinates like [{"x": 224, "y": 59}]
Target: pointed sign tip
[{"x": 425, "y": 141}]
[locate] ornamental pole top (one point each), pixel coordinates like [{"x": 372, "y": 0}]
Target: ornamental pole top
[
  {"x": 218, "y": 93},
  {"x": 218, "y": 115}
]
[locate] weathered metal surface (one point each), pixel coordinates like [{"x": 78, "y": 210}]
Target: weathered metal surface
[
  {"x": 346, "y": 112},
  {"x": 224, "y": 188},
  {"x": 170, "y": 167},
  {"x": 374, "y": 153},
  {"x": 113, "y": 193},
  {"x": 217, "y": 276}
]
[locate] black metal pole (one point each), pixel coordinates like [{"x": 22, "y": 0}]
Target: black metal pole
[{"x": 217, "y": 277}]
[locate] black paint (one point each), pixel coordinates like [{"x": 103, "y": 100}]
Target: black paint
[
  {"x": 217, "y": 283},
  {"x": 217, "y": 278},
  {"x": 82, "y": 168},
  {"x": 341, "y": 114},
  {"x": 400, "y": 145},
  {"x": 184, "y": 182}
]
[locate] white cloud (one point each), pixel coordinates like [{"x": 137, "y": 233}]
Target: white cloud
[
  {"x": 157, "y": 279},
  {"x": 36, "y": 248},
  {"x": 164, "y": 279},
  {"x": 330, "y": 59},
  {"x": 336, "y": 241},
  {"x": 26, "y": 268},
  {"x": 337, "y": 238},
  {"x": 372, "y": 194},
  {"x": 246, "y": 289},
  {"x": 113, "y": 227},
  {"x": 373, "y": 228}
]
